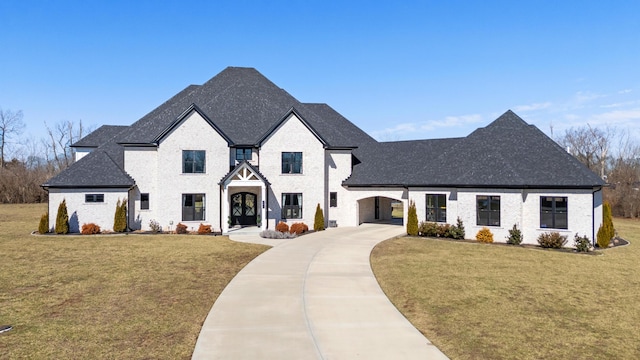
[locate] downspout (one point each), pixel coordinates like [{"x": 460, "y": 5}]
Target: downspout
[{"x": 593, "y": 218}]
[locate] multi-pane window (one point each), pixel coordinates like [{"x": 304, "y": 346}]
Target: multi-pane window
[
  {"x": 243, "y": 154},
  {"x": 94, "y": 198},
  {"x": 193, "y": 161},
  {"x": 292, "y": 163},
  {"x": 292, "y": 206},
  {"x": 144, "y": 201},
  {"x": 437, "y": 207},
  {"x": 553, "y": 212},
  {"x": 192, "y": 207},
  {"x": 488, "y": 210},
  {"x": 333, "y": 199}
]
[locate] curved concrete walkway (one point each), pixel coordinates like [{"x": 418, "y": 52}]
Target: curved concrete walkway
[{"x": 314, "y": 297}]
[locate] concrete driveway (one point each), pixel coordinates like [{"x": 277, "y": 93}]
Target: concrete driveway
[{"x": 313, "y": 297}]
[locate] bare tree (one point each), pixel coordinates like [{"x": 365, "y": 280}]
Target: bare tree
[
  {"x": 589, "y": 145},
  {"x": 61, "y": 137},
  {"x": 624, "y": 179},
  {"x": 10, "y": 124}
]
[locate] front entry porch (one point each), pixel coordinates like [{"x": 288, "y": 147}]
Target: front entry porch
[
  {"x": 244, "y": 209},
  {"x": 244, "y": 196}
]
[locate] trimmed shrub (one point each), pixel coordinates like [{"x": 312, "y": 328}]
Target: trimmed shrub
[
  {"x": 90, "y": 229},
  {"x": 582, "y": 243},
  {"x": 43, "y": 227},
  {"x": 298, "y": 228},
  {"x": 62, "y": 219},
  {"x": 515, "y": 236},
  {"x": 552, "y": 240},
  {"x": 457, "y": 231},
  {"x": 282, "y": 227},
  {"x": 412, "y": 220},
  {"x": 484, "y": 236},
  {"x": 120, "y": 217},
  {"x": 204, "y": 229},
  {"x": 155, "y": 226},
  {"x": 273, "y": 234},
  {"x": 427, "y": 228},
  {"x": 432, "y": 229},
  {"x": 606, "y": 232},
  {"x": 443, "y": 230},
  {"x": 181, "y": 228},
  {"x": 318, "y": 220}
]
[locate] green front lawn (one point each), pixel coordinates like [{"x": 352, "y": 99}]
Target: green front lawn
[
  {"x": 477, "y": 301},
  {"x": 116, "y": 296}
]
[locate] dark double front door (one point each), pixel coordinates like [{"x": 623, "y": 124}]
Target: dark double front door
[{"x": 243, "y": 209}]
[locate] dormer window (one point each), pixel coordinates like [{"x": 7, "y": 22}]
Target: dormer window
[{"x": 243, "y": 154}]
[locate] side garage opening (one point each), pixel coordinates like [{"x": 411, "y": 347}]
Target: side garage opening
[{"x": 381, "y": 209}]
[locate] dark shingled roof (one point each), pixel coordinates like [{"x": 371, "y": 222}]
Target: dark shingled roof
[
  {"x": 245, "y": 106},
  {"x": 102, "y": 167},
  {"x": 506, "y": 153},
  {"x": 100, "y": 136}
]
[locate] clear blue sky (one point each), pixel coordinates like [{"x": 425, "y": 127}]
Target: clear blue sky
[{"x": 401, "y": 70}]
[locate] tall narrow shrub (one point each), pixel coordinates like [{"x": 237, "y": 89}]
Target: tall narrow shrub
[
  {"x": 120, "y": 217},
  {"x": 318, "y": 221},
  {"x": 62, "y": 218},
  {"x": 606, "y": 232},
  {"x": 412, "y": 222},
  {"x": 43, "y": 228}
]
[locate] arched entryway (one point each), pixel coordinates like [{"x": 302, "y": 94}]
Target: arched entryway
[
  {"x": 244, "y": 209},
  {"x": 381, "y": 209}
]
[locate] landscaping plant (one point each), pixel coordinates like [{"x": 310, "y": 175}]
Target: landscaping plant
[
  {"x": 43, "y": 227},
  {"x": 298, "y": 228},
  {"x": 120, "y": 217},
  {"x": 282, "y": 227},
  {"x": 181, "y": 228},
  {"x": 457, "y": 231},
  {"x": 90, "y": 229},
  {"x": 204, "y": 229},
  {"x": 484, "y": 236},
  {"x": 155, "y": 226},
  {"x": 318, "y": 222},
  {"x": 412, "y": 221},
  {"x": 552, "y": 240},
  {"x": 62, "y": 219},
  {"x": 515, "y": 236},
  {"x": 582, "y": 243},
  {"x": 606, "y": 232},
  {"x": 274, "y": 234}
]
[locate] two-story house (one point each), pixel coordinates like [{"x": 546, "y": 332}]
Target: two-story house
[{"x": 238, "y": 151}]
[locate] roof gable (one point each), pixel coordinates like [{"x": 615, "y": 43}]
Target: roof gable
[
  {"x": 182, "y": 117},
  {"x": 291, "y": 113},
  {"x": 244, "y": 171},
  {"x": 96, "y": 170}
]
